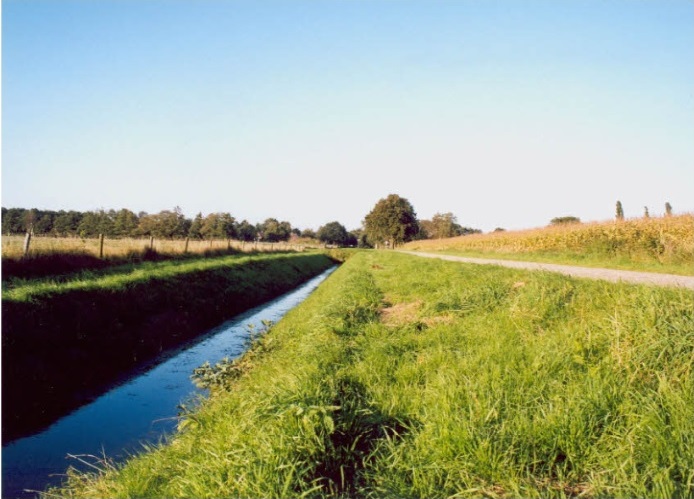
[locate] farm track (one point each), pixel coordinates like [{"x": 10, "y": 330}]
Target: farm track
[{"x": 613, "y": 275}]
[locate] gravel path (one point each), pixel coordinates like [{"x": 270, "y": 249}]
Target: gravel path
[{"x": 591, "y": 273}]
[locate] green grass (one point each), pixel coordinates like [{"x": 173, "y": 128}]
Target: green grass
[
  {"x": 115, "y": 278},
  {"x": 406, "y": 377},
  {"x": 109, "y": 322},
  {"x": 584, "y": 260}
]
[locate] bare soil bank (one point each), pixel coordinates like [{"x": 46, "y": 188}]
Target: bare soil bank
[{"x": 62, "y": 350}]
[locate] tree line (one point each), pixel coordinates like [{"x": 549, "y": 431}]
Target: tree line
[
  {"x": 391, "y": 222},
  {"x": 167, "y": 224}
]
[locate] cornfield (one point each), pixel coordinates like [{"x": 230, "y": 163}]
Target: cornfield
[{"x": 664, "y": 239}]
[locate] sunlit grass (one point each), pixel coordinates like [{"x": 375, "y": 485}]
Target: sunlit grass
[{"x": 404, "y": 377}]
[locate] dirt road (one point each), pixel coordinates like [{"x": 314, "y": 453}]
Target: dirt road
[{"x": 588, "y": 272}]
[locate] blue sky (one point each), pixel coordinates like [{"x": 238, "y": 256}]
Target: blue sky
[{"x": 506, "y": 113}]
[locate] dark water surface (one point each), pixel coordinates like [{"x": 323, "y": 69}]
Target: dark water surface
[{"x": 142, "y": 410}]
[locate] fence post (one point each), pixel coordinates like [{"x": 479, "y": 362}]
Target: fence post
[
  {"x": 151, "y": 242},
  {"x": 186, "y": 248},
  {"x": 27, "y": 241},
  {"x": 101, "y": 246}
]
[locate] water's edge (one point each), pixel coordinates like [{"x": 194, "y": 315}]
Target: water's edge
[{"x": 141, "y": 410}]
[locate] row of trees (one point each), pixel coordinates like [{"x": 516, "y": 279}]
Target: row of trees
[
  {"x": 619, "y": 211},
  {"x": 391, "y": 222},
  {"x": 167, "y": 224}
]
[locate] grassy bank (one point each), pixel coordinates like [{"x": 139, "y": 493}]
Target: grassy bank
[
  {"x": 64, "y": 341},
  {"x": 405, "y": 377},
  {"x": 664, "y": 244}
]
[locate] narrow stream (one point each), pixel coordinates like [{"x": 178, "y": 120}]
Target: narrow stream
[{"x": 142, "y": 410}]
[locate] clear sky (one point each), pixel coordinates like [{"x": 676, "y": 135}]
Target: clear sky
[{"x": 506, "y": 113}]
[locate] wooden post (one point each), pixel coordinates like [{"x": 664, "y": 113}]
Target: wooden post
[
  {"x": 101, "y": 246},
  {"x": 27, "y": 242},
  {"x": 185, "y": 250},
  {"x": 151, "y": 242}
]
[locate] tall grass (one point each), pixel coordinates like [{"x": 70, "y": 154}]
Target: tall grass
[
  {"x": 13, "y": 246},
  {"x": 52, "y": 256},
  {"x": 404, "y": 377},
  {"x": 663, "y": 244}
]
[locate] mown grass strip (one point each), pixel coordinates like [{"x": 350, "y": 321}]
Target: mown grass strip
[{"x": 403, "y": 377}]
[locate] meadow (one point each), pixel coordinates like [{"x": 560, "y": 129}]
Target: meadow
[
  {"x": 656, "y": 244},
  {"x": 13, "y": 246},
  {"x": 51, "y": 256},
  {"x": 410, "y": 377}
]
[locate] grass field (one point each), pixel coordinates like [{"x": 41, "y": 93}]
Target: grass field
[
  {"x": 406, "y": 377},
  {"x": 13, "y": 246},
  {"x": 52, "y": 256},
  {"x": 663, "y": 244}
]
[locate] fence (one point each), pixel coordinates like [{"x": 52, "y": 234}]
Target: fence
[{"x": 21, "y": 246}]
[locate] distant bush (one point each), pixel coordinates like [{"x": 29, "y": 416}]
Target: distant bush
[{"x": 565, "y": 220}]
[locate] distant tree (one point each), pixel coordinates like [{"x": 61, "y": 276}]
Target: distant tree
[
  {"x": 44, "y": 222},
  {"x": 443, "y": 225},
  {"x": 172, "y": 224},
  {"x": 273, "y": 231},
  {"x": 352, "y": 239},
  {"x": 565, "y": 220},
  {"x": 645, "y": 212},
  {"x": 668, "y": 210},
  {"x": 195, "y": 231},
  {"x": 464, "y": 231},
  {"x": 619, "y": 215},
  {"x": 392, "y": 221},
  {"x": 13, "y": 221},
  {"x": 167, "y": 224},
  {"x": 125, "y": 223},
  {"x": 219, "y": 226},
  {"x": 66, "y": 223},
  {"x": 308, "y": 233},
  {"x": 246, "y": 232},
  {"x": 499, "y": 229},
  {"x": 94, "y": 223},
  {"x": 426, "y": 229},
  {"x": 296, "y": 232},
  {"x": 333, "y": 233}
]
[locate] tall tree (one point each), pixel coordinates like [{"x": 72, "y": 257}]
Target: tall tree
[
  {"x": 668, "y": 209},
  {"x": 125, "y": 223},
  {"x": 246, "y": 231},
  {"x": 272, "y": 230},
  {"x": 392, "y": 221},
  {"x": 219, "y": 226},
  {"x": 195, "y": 230},
  {"x": 444, "y": 225},
  {"x": 333, "y": 233},
  {"x": 619, "y": 215}
]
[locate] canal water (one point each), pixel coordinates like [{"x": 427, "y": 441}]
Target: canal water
[{"x": 140, "y": 411}]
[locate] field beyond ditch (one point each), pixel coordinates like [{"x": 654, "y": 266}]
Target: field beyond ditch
[{"x": 406, "y": 377}]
